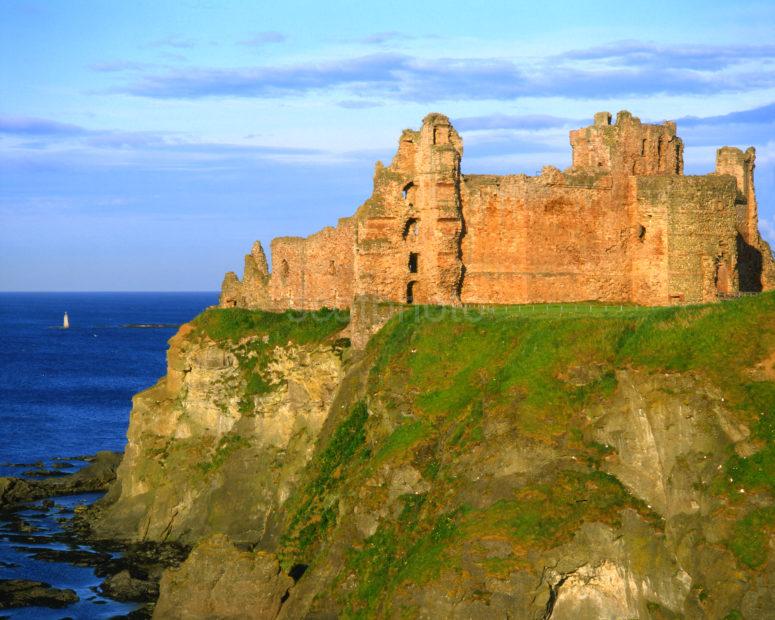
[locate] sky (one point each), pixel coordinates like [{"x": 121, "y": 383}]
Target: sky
[{"x": 145, "y": 145}]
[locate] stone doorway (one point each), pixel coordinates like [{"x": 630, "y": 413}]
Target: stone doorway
[{"x": 411, "y": 291}]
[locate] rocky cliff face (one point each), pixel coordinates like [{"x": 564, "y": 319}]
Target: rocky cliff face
[
  {"x": 218, "y": 443},
  {"x": 516, "y": 463}
]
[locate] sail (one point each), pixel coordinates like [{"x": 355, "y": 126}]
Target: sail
[{"x": 66, "y": 322}]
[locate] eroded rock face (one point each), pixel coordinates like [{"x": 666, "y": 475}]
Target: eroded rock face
[
  {"x": 667, "y": 435},
  {"x": 409, "y": 480},
  {"x": 203, "y": 456},
  {"x": 666, "y": 449},
  {"x": 220, "y": 581}
]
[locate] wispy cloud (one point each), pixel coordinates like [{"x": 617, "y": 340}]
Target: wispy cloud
[
  {"x": 696, "y": 57},
  {"x": 520, "y": 121},
  {"x": 116, "y": 66},
  {"x": 37, "y": 141},
  {"x": 30, "y": 127},
  {"x": 379, "y": 38},
  {"x": 394, "y": 76},
  {"x": 175, "y": 41},
  {"x": 263, "y": 38},
  {"x": 359, "y": 104},
  {"x": 756, "y": 116}
]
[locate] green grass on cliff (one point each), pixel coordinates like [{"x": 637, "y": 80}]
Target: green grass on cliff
[
  {"x": 317, "y": 512},
  {"x": 425, "y": 540},
  {"x": 253, "y": 334},
  {"x": 449, "y": 371},
  {"x": 445, "y": 376},
  {"x": 300, "y": 327}
]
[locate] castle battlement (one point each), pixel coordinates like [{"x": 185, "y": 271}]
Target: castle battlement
[{"x": 622, "y": 224}]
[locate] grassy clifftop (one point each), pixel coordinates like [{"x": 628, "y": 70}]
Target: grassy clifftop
[
  {"x": 482, "y": 442},
  {"x": 578, "y": 461}
]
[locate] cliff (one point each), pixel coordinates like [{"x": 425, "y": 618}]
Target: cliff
[
  {"x": 218, "y": 442},
  {"x": 531, "y": 462}
]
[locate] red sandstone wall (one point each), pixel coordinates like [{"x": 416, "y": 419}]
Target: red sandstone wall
[
  {"x": 623, "y": 224},
  {"x": 414, "y": 210},
  {"x": 694, "y": 223},
  {"x": 543, "y": 239},
  {"x": 628, "y": 147},
  {"x": 314, "y": 272}
]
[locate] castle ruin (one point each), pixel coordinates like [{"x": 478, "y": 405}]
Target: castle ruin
[{"x": 622, "y": 224}]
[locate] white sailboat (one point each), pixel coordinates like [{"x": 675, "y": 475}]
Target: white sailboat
[{"x": 66, "y": 322}]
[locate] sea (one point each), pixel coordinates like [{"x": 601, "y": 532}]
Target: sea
[{"x": 66, "y": 393}]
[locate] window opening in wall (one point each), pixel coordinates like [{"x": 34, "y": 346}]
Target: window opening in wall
[
  {"x": 641, "y": 232},
  {"x": 411, "y": 228},
  {"x": 413, "y": 258},
  {"x": 410, "y": 292},
  {"x": 284, "y": 269},
  {"x": 441, "y": 135},
  {"x": 332, "y": 268},
  {"x": 722, "y": 278},
  {"x": 405, "y": 191}
]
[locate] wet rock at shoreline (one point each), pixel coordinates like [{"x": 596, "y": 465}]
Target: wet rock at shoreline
[
  {"x": 124, "y": 587},
  {"x": 94, "y": 477},
  {"x": 219, "y": 580},
  {"x": 23, "y": 593}
]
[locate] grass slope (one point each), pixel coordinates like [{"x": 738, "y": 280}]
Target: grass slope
[{"x": 439, "y": 374}]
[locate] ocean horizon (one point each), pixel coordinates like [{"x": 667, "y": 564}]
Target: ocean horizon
[{"x": 68, "y": 392}]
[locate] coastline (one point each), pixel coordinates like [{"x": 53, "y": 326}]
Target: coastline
[{"x": 47, "y": 520}]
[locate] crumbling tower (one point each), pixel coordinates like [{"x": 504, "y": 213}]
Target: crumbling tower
[
  {"x": 408, "y": 235},
  {"x": 628, "y": 147},
  {"x": 756, "y": 271}
]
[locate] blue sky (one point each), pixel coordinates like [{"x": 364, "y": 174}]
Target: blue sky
[{"x": 145, "y": 145}]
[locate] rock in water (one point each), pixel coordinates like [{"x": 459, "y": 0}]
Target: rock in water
[{"x": 24, "y": 593}]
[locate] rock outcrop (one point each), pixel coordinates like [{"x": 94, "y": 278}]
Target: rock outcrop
[
  {"x": 229, "y": 584},
  {"x": 96, "y": 476},
  {"x": 220, "y": 440}
]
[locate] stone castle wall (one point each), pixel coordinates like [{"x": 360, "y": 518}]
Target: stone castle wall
[
  {"x": 556, "y": 237},
  {"x": 623, "y": 224}
]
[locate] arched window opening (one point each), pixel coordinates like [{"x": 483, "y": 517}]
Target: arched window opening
[
  {"x": 413, "y": 258},
  {"x": 405, "y": 193},
  {"x": 284, "y": 270},
  {"x": 411, "y": 228},
  {"x": 411, "y": 292},
  {"x": 641, "y": 233},
  {"x": 332, "y": 268}
]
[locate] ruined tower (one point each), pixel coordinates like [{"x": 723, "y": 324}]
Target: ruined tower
[{"x": 408, "y": 233}]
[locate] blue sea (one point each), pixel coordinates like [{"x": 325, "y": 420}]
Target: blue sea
[{"x": 66, "y": 393}]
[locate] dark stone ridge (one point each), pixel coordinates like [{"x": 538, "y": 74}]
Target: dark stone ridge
[
  {"x": 96, "y": 476},
  {"x": 24, "y": 593}
]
